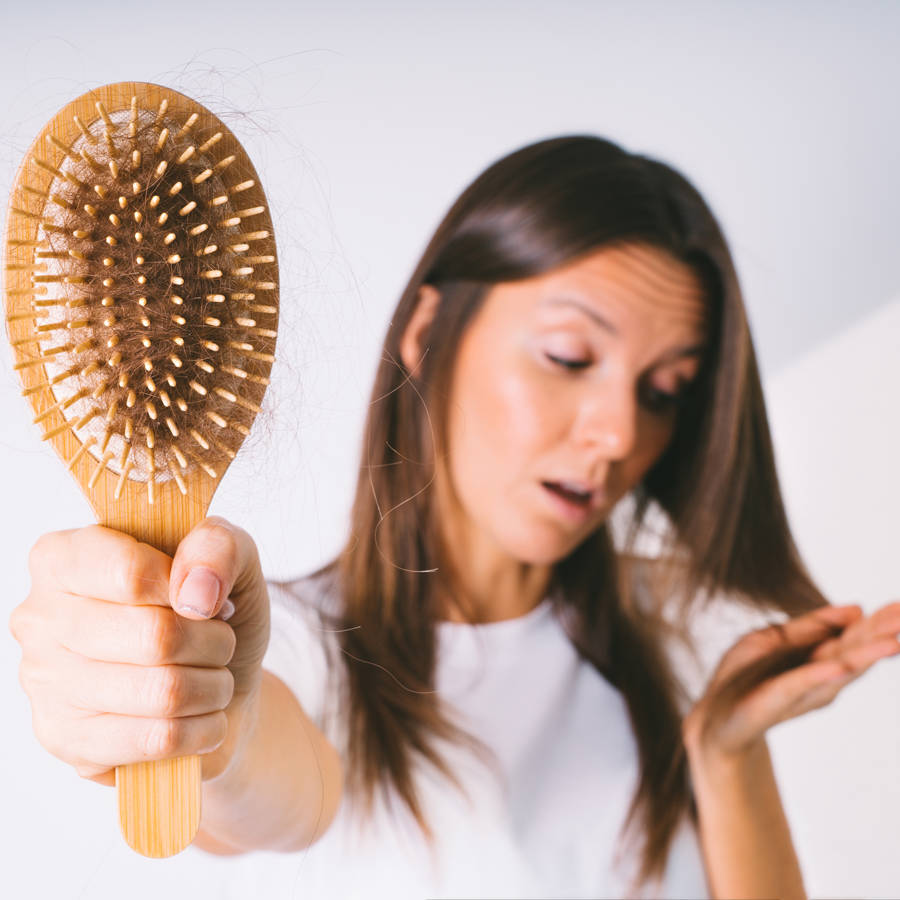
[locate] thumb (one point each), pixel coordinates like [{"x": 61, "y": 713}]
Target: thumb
[{"x": 214, "y": 561}]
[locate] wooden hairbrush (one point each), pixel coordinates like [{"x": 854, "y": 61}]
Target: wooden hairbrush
[{"x": 142, "y": 307}]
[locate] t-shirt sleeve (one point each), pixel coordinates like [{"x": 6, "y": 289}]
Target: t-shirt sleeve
[{"x": 298, "y": 653}]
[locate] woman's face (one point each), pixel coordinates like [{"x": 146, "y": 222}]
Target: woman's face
[{"x": 564, "y": 393}]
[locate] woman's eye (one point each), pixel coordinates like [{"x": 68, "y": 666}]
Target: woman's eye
[
  {"x": 662, "y": 401},
  {"x": 566, "y": 363}
]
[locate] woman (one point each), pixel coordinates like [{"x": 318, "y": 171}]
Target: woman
[{"x": 476, "y": 695}]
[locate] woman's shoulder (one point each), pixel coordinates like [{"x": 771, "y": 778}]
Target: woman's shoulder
[{"x": 303, "y": 642}]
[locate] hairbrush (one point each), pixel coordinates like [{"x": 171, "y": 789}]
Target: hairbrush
[{"x": 142, "y": 307}]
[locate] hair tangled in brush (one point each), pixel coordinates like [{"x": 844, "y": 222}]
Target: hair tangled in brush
[{"x": 153, "y": 286}]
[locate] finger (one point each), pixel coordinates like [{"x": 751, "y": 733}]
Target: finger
[
  {"x": 114, "y": 740},
  {"x": 883, "y": 623},
  {"x": 102, "y": 563},
  {"x": 152, "y": 692},
  {"x": 773, "y": 701},
  {"x": 820, "y": 623},
  {"x": 141, "y": 635},
  {"x": 862, "y": 659},
  {"x": 215, "y": 561},
  {"x": 857, "y": 659},
  {"x": 106, "y": 777},
  {"x": 804, "y": 630},
  {"x": 210, "y": 767}
]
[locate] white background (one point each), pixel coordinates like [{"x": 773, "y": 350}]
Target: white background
[{"x": 365, "y": 122}]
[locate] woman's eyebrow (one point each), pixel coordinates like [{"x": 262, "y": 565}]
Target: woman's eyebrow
[
  {"x": 696, "y": 349},
  {"x": 589, "y": 311},
  {"x": 682, "y": 352}
]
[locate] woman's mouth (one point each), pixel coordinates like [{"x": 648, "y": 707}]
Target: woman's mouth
[{"x": 575, "y": 502}]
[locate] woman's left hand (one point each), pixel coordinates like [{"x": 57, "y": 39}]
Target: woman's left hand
[{"x": 836, "y": 661}]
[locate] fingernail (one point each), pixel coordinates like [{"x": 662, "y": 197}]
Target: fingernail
[
  {"x": 227, "y": 610},
  {"x": 199, "y": 592}
]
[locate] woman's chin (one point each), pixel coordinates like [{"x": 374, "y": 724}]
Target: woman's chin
[{"x": 543, "y": 547}]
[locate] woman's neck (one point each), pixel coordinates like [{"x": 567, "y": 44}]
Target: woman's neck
[
  {"x": 485, "y": 584},
  {"x": 498, "y": 595},
  {"x": 482, "y": 581}
]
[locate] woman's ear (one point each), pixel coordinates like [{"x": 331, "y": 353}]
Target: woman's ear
[{"x": 412, "y": 348}]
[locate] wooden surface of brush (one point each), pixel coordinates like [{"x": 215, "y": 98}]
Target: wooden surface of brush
[{"x": 142, "y": 306}]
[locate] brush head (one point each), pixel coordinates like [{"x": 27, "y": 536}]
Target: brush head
[{"x": 142, "y": 298}]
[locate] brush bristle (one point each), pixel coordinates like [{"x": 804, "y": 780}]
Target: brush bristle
[{"x": 154, "y": 293}]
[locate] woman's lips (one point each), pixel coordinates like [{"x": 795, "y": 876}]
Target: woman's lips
[{"x": 574, "y": 504}]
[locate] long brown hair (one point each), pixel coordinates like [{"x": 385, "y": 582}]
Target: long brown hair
[{"x": 531, "y": 211}]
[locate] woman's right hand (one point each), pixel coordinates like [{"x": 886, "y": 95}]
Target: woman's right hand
[{"x": 118, "y": 670}]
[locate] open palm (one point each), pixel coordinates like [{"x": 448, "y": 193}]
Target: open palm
[{"x": 845, "y": 644}]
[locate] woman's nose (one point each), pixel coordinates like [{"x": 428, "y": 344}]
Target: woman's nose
[{"x": 609, "y": 422}]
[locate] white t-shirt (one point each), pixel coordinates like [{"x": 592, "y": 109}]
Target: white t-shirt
[{"x": 545, "y": 826}]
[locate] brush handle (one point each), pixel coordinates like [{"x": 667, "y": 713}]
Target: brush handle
[
  {"x": 158, "y": 801},
  {"x": 159, "y": 804}
]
